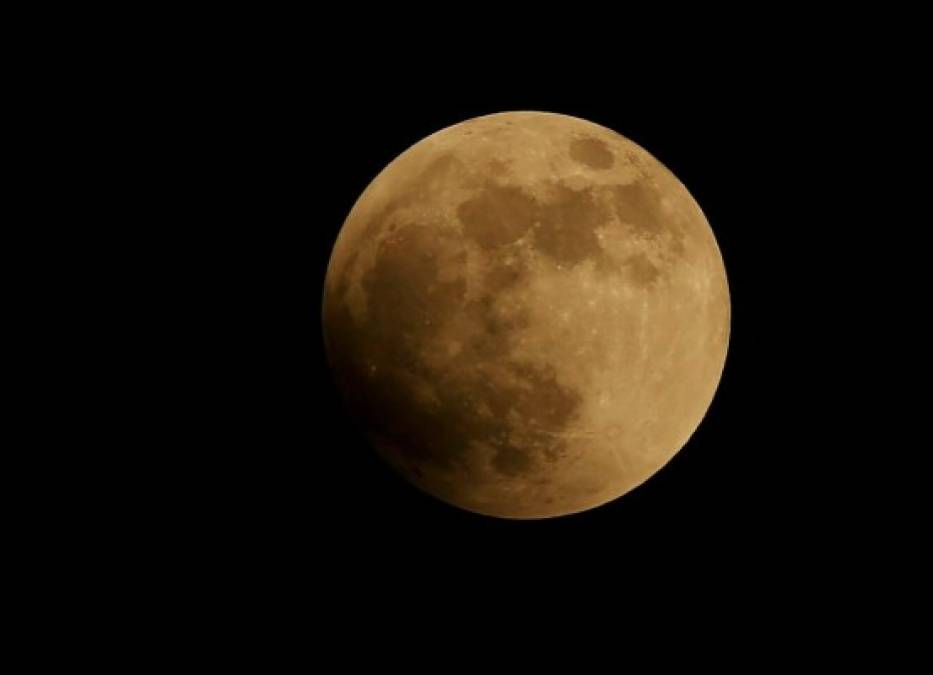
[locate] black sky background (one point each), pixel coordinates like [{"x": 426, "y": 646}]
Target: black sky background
[{"x": 209, "y": 494}]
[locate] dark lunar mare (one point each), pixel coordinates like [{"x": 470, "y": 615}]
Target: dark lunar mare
[{"x": 518, "y": 413}]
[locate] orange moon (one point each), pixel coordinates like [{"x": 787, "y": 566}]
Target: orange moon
[{"x": 528, "y": 314}]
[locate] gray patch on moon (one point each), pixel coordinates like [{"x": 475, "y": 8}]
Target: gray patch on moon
[
  {"x": 510, "y": 461},
  {"x": 641, "y": 271},
  {"x": 568, "y": 221},
  {"x": 592, "y": 152},
  {"x": 564, "y": 224},
  {"x": 498, "y": 215},
  {"x": 406, "y": 298},
  {"x": 432, "y": 411},
  {"x": 638, "y": 206},
  {"x": 389, "y": 216}
]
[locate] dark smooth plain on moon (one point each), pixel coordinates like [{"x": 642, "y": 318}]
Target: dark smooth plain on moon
[{"x": 528, "y": 314}]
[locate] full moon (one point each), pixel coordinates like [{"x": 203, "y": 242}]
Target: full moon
[{"x": 527, "y": 313}]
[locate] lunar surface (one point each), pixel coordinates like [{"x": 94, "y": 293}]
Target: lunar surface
[{"x": 528, "y": 314}]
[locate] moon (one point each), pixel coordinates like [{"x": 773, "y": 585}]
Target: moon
[{"x": 527, "y": 313}]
